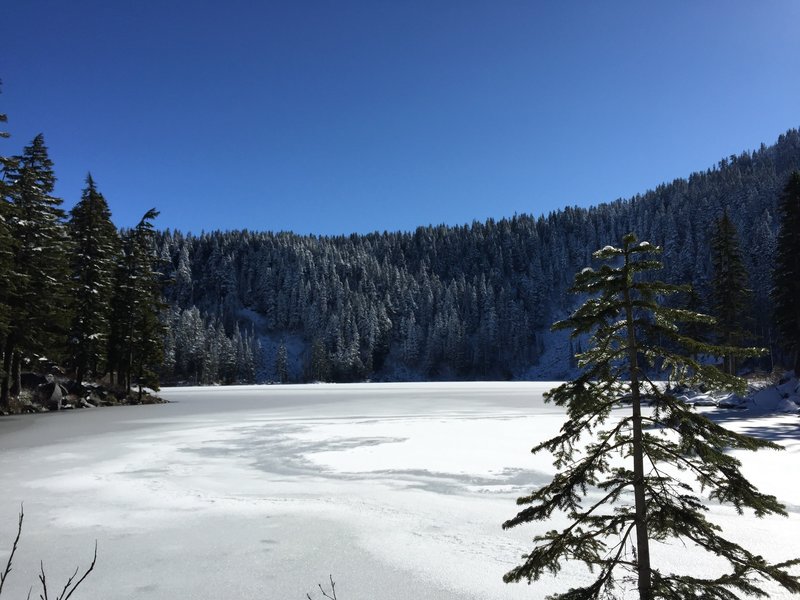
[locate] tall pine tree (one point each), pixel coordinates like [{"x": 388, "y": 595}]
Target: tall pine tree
[
  {"x": 37, "y": 302},
  {"x": 94, "y": 254},
  {"x": 728, "y": 287},
  {"x": 786, "y": 278},
  {"x": 282, "y": 363},
  {"x": 642, "y": 463},
  {"x": 6, "y": 245},
  {"x": 135, "y": 349}
]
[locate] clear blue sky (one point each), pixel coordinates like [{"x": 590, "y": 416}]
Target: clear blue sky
[{"x": 336, "y": 117}]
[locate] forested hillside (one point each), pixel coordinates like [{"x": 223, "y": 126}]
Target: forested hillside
[{"x": 446, "y": 302}]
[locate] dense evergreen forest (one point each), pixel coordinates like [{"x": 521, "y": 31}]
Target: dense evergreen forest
[
  {"x": 139, "y": 305},
  {"x": 452, "y": 302},
  {"x": 79, "y": 300}
]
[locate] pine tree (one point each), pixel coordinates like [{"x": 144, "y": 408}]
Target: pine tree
[
  {"x": 786, "y": 278},
  {"x": 624, "y": 319},
  {"x": 38, "y": 311},
  {"x": 319, "y": 364},
  {"x": 137, "y": 334},
  {"x": 7, "y": 244},
  {"x": 730, "y": 295},
  {"x": 94, "y": 255},
  {"x": 282, "y": 363}
]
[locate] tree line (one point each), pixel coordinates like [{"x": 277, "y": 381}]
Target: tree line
[
  {"x": 75, "y": 291},
  {"x": 474, "y": 301},
  {"x": 442, "y": 302}
]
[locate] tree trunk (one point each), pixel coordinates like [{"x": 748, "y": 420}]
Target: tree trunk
[
  {"x": 16, "y": 375},
  {"x": 5, "y": 383},
  {"x": 642, "y": 540}
]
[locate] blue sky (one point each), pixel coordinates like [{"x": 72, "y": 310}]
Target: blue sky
[{"x": 337, "y": 117}]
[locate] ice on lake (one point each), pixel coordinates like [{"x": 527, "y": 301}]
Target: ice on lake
[{"x": 397, "y": 490}]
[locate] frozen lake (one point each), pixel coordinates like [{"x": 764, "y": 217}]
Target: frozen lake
[{"x": 398, "y": 490}]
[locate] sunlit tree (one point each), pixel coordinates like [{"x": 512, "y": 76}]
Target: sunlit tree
[{"x": 616, "y": 479}]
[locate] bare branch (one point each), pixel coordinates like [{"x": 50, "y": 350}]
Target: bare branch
[
  {"x": 80, "y": 581},
  {"x": 7, "y": 570},
  {"x": 331, "y": 596},
  {"x": 69, "y": 587},
  {"x": 43, "y": 579}
]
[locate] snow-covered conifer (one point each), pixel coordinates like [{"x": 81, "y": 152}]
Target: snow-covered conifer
[
  {"x": 37, "y": 300},
  {"x": 629, "y": 481},
  {"x": 136, "y": 339},
  {"x": 95, "y": 246},
  {"x": 786, "y": 291},
  {"x": 282, "y": 363},
  {"x": 730, "y": 295}
]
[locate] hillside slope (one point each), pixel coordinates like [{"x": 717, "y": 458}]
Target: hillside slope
[{"x": 454, "y": 302}]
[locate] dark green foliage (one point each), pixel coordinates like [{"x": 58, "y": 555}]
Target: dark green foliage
[
  {"x": 135, "y": 349},
  {"x": 616, "y": 476},
  {"x": 57, "y": 282},
  {"x": 37, "y": 300},
  {"x": 786, "y": 291},
  {"x": 318, "y": 366},
  {"x": 6, "y": 261},
  {"x": 282, "y": 363},
  {"x": 6, "y": 243},
  {"x": 730, "y": 296},
  {"x": 96, "y": 245}
]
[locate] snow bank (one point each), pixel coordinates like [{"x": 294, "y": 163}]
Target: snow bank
[{"x": 781, "y": 398}]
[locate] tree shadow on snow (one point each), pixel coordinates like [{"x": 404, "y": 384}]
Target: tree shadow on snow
[{"x": 762, "y": 425}]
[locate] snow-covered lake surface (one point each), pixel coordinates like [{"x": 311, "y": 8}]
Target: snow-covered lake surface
[{"x": 398, "y": 490}]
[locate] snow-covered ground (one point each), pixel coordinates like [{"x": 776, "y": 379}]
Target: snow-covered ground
[{"x": 398, "y": 490}]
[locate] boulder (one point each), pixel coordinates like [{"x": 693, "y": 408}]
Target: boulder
[{"x": 50, "y": 394}]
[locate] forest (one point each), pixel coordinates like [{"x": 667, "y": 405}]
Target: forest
[
  {"x": 143, "y": 306},
  {"x": 460, "y": 302}
]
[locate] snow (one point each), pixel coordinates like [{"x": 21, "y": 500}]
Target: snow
[
  {"x": 398, "y": 490},
  {"x": 768, "y": 398}
]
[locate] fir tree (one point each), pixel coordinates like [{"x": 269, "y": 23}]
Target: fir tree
[
  {"x": 94, "y": 254},
  {"x": 650, "y": 504},
  {"x": 6, "y": 244},
  {"x": 135, "y": 347},
  {"x": 38, "y": 311},
  {"x": 282, "y": 363},
  {"x": 786, "y": 291},
  {"x": 728, "y": 287},
  {"x": 318, "y": 365}
]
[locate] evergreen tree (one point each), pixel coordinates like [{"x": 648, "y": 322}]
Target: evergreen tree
[
  {"x": 319, "y": 364},
  {"x": 728, "y": 287},
  {"x": 38, "y": 311},
  {"x": 786, "y": 291},
  {"x": 623, "y": 319},
  {"x": 94, "y": 254},
  {"x": 136, "y": 339},
  {"x": 282, "y": 363},
  {"x": 6, "y": 245}
]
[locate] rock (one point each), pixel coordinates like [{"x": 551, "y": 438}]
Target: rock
[{"x": 50, "y": 394}]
